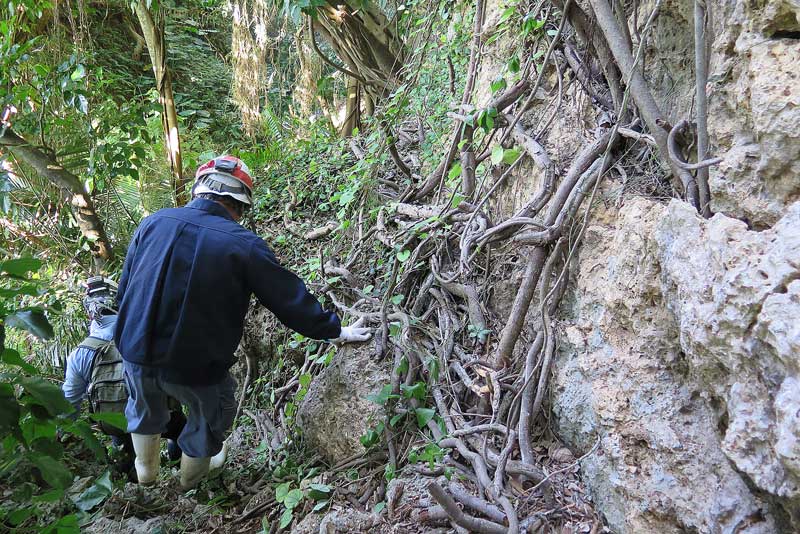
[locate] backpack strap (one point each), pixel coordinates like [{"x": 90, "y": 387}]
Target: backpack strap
[{"x": 94, "y": 343}]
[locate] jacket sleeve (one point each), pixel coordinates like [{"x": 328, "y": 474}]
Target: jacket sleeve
[
  {"x": 284, "y": 294},
  {"x": 76, "y": 379}
]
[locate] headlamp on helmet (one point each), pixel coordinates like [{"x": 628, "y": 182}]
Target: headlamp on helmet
[{"x": 101, "y": 297}]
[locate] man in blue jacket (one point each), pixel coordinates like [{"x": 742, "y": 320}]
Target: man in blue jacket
[{"x": 183, "y": 295}]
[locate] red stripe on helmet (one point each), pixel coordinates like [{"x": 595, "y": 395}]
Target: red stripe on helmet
[{"x": 238, "y": 173}]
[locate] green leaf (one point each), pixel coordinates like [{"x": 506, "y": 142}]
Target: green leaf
[
  {"x": 319, "y": 491},
  {"x": 12, "y": 357},
  {"x": 20, "y": 266},
  {"x": 513, "y": 65},
  {"x": 95, "y": 494},
  {"x": 397, "y": 299},
  {"x": 115, "y": 419},
  {"x": 424, "y": 415},
  {"x": 393, "y": 421},
  {"x": 320, "y": 505},
  {"x": 305, "y": 380},
  {"x": 33, "y": 321},
  {"x": 53, "y": 471},
  {"x": 416, "y": 391},
  {"x": 19, "y": 515},
  {"x": 85, "y": 432},
  {"x": 383, "y": 396},
  {"x": 455, "y": 171},
  {"x": 66, "y": 525},
  {"x": 281, "y": 492},
  {"x": 511, "y": 155},
  {"x": 403, "y": 255},
  {"x": 78, "y": 73},
  {"x": 286, "y": 518},
  {"x": 379, "y": 507},
  {"x": 49, "y": 395},
  {"x": 498, "y": 84},
  {"x": 293, "y": 498},
  {"x": 497, "y": 154},
  {"x": 457, "y": 199}
]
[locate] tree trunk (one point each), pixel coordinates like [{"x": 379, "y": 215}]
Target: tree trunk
[
  {"x": 310, "y": 70},
  {"x": 154, "y": 37},
  {"x": 365, "y": 41},
  {"x": 83, "y": 207},
  {"x": 352, "y": 114}
]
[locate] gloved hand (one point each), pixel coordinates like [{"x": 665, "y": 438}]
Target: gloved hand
[{"x": 356, "y": 332}]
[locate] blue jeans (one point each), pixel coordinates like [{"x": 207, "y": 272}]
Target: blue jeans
[{"x": 211, "y": 409}]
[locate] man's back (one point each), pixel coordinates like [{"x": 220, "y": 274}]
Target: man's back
[{"x": 185, "y": 290}]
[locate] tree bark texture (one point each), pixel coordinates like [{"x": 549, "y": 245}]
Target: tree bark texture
[
  {"x": 83, "y": 208},
  {"x": 156, "y": 47},
  {"x": 361, "y": 35}
]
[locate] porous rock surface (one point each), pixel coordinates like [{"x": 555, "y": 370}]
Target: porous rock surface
[
  {"x": 680, "y": 354},
  {"x": 335, "y": 412}
]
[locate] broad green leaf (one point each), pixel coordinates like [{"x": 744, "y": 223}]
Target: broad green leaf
[
  {"x": 23, "y": 290},
  {"x": 320, "y": 505},
  {"x": 383, "y": 396},
  {"x": 286, "y": 518},
  {"x": 19, "y": 515},
  {"x": 281, "y": 492},
  {"x": 95, "y": 494},
  {"x": 53, "y": 471},
  {"x": 457, "y": 199},
  {"x": 65, "y": 525},
  {"x": 424, "y": 415},
  {"x": 455, "y": 171},
  {"x": 498, "y": 84},
  {"x": 12, "y": 357},
  {"x": 20, "y": 266},
  {"x": 33, "y": 321},
  {"x": 497, "y": 154},
  {"x": 49, "y": 395},
  {"x": 115, "y": 419},
  {"x": 378, "y": 508},
  {"x": 513, "y": 64},
  {"x": 305, "y": 380},
  {"x": 85, "y": 432},
  {"x": 397, "y": 299},
  {"x": 393, "y": 421},
  {"x": 415, "y": 391},
  {"x": 403, "y": 255},
  {"x": 319, "y": 491},
  {"x": 293, "y": 498},
  {"x": 78, "y": 73},
  {"x": 511, "y": 155},
  {"x": 33, "y": 429}
]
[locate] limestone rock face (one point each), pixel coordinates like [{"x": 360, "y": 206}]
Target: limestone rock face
[
  {"x": 734, "y": 293},
  {"x": 754, "y": 108},
  {"x": 680, "y": 354},
  {"x": 335, "y": 413}
]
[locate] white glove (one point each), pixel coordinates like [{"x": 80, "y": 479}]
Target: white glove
[{"x": 353, "y": 333}]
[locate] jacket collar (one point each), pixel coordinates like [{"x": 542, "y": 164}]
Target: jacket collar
[{"x": 210, "y": 206}]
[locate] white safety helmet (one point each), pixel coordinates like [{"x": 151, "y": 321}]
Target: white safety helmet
[{"x": 225, "y": 176}]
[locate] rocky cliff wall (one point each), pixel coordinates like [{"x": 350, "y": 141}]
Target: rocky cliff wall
[{"x": 679, "y": 337}]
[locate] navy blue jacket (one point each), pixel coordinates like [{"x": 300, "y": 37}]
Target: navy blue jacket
[{"x": 186, "y": 286}]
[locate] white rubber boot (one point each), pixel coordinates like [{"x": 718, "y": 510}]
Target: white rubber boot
[
  {"x": 148, "y": 457},
  {"x": 218, "y": 460},
  {"x": 193, "y": 470}
]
